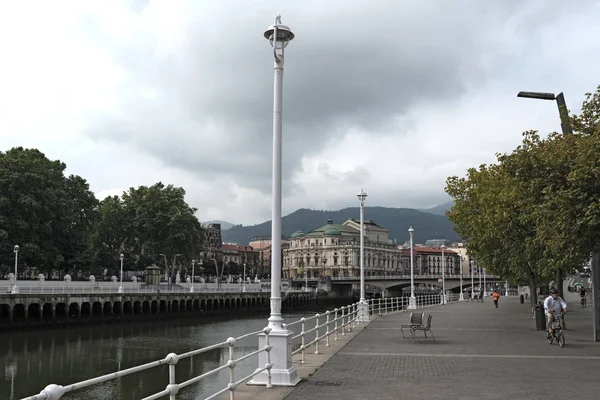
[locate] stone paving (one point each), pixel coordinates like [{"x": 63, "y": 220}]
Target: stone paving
[{"x": 481, "y": 352}]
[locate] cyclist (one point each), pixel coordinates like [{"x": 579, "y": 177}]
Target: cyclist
[
  {"x": 553, "y": 304},
  {"x": 582, "y": 295}
]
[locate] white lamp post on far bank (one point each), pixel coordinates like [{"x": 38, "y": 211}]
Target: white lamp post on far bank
[
  {"x": 363, "y": 306},
  {"x": 461, "y": 297},
  {"x": 15, "y": 288},
  {"x": 193, "y": 271},
  {"x": 283, "y": 373},
  {"x": 443, "y": 276},
  {"x": 121, "y": 257},
  {"x": 412, "y": 302}
]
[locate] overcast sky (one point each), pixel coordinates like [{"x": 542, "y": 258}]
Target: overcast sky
[{"x": 392, "y": 96}]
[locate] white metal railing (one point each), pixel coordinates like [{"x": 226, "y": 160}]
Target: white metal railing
[
  {"x": 68, "y": 289},
  {"x": 404, "y": 276},
  {"x": 345, "y": 318},
  {"x": 314, "y": 330}
]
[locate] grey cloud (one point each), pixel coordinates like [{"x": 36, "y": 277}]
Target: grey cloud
[{"x": 359, "y": 67}]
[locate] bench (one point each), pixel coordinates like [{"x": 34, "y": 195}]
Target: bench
[
  {"x": 416, "y": 319},
  {"x": 424, "y": 328}
]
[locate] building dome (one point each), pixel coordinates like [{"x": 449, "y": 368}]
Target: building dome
[
  {"x": 332, "y": 232},
  {"x": 297, "y": 234}
]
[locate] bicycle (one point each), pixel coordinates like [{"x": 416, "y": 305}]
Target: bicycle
[
  {"x": 583, "y": 301},
  {"x": 557, "y": 332}
]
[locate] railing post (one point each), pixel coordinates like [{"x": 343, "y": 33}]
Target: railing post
[
  {"x": 343, "y": 326},
  {"x": 327, "y": 329},
  {"x": 379, "y": 306},
  {"x": 231, "y": 362},
  {"x": 267, "y": 331},
  {"x": 336, "y": 324},
  {"x": 317, "y": 334},
  {"x": 303, "y": 320},
  {"x": 173, "y": 388}
]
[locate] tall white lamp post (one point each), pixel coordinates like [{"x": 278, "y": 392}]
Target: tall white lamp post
[
  {"x": 121, "y": 257},
  {"x": 443, "y": 277},
  {"x": 363, "y": 306},
  {"x": 461, "y": 297},
  {"x": 283, "y": 373},
  {"x": 15, "y": 288},
  {"x": 193, "y": 271},
  {"x": 244, "y": 284},
  {"x": 506, "y": 288},
  {"x": 412, "y": 302},
  {"x": 484, "y": 285}
]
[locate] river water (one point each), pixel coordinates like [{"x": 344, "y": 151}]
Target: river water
[{"x": 33, "y": 359}]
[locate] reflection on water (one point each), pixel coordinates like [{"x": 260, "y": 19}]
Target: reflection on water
[{"x": 63, "y": 356}]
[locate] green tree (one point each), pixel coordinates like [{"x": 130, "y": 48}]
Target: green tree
[
  {"x": 161, "y": 222},
  {"x": 47, "y": 214}
]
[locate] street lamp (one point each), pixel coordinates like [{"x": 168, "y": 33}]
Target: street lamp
[
  {"x": 472, "y": 263},
  {"x": 363, "y": 312},
  {"x": 560, "y": 102},
  {"x": 193, "y": 271},
  {"x": 15, "y": 288},
  {"x": 443, "y": 277},
  {"x": 506, "y": 288},
  {"x": 412, "y": 302},
  {"x": 244, "y": 285},
  {"x": 175, "y": 263},
  {"x": 166, "y": 268},
  {"x": 484, "y": 285},
  {"x": 462, "y": 295},
  {"x": 121, "y": 257},
  {"x": 283, "y": 372}
]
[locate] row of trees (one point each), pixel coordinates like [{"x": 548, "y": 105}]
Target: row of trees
[
  {"x": 535, "y": 214},
  {"x": 60, "y": 225}
]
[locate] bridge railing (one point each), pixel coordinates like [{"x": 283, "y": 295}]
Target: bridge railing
[
  {"x": 330, "y": 323},
  {"x": 68, "y": 289},
  {"x": 403, "y": 277}
]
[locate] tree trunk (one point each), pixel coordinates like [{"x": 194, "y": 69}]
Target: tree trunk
[
  {"x": 533, "y": 291},
  {"x": 559, "y": 283}
]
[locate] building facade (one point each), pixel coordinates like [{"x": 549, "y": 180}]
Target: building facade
[{"x": 334, "y": 250}]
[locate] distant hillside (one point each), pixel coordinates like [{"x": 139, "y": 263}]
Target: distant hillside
[
  {"x": 224, "y": 224},
  {"x": 396, "y": 220},
  {"x": 440, "y": 209}
]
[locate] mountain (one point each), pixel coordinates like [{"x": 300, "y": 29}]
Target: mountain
[
  {"x": 224, "y": 224},
  {"x": 396, "y": 220},
  {"x": 439, "y": 209}
]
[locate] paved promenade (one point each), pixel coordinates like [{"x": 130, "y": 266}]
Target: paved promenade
[{"x": 481, "y": 352}]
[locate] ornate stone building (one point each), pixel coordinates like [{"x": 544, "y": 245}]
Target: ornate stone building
[{"x": 334, "y": 250}]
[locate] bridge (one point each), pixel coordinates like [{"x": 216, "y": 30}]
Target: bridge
[{"x": 52, "y": 305}]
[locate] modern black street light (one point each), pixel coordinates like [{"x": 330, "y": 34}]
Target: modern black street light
[{"x": 562, "y": 107}]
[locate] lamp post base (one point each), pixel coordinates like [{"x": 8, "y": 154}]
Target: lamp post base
[
  {"x": 412, "y": 303},
  {"x": 461, "y": 297},
  {"x": 15, "y": 290},
  {"x": 506, "y": 293},
  {"x": 120, "y": 290},
  {"x": 283, "y": 373},
  {"x": 192, "y": 289},
  {"x": 363, "y": 311},
  {"x": 444, "y": 300}
]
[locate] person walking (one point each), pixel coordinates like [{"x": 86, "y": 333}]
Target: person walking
[{"x": 496, "y": 296}]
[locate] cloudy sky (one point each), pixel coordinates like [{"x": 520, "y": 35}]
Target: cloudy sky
[{"x": 393, "y": 96}]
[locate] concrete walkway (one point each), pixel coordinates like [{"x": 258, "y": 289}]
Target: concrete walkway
[{"x": 481, "y": 352}]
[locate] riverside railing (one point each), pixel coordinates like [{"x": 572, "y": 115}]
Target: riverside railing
[
  {"x": 314, "y": 331},
  {"x": 68, "y": 289}
]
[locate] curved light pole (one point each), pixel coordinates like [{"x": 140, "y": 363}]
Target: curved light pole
[
  {"x": 443, "y": 277},
  {"x": 193, "y": 271},
  {"x": 363, "y": 306},
  {"x": 15, "y": 288},
  {"x": 121, "y": 257},
  {"x": 283, "y": 372},
  {"x": 412, "y": 302}
]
